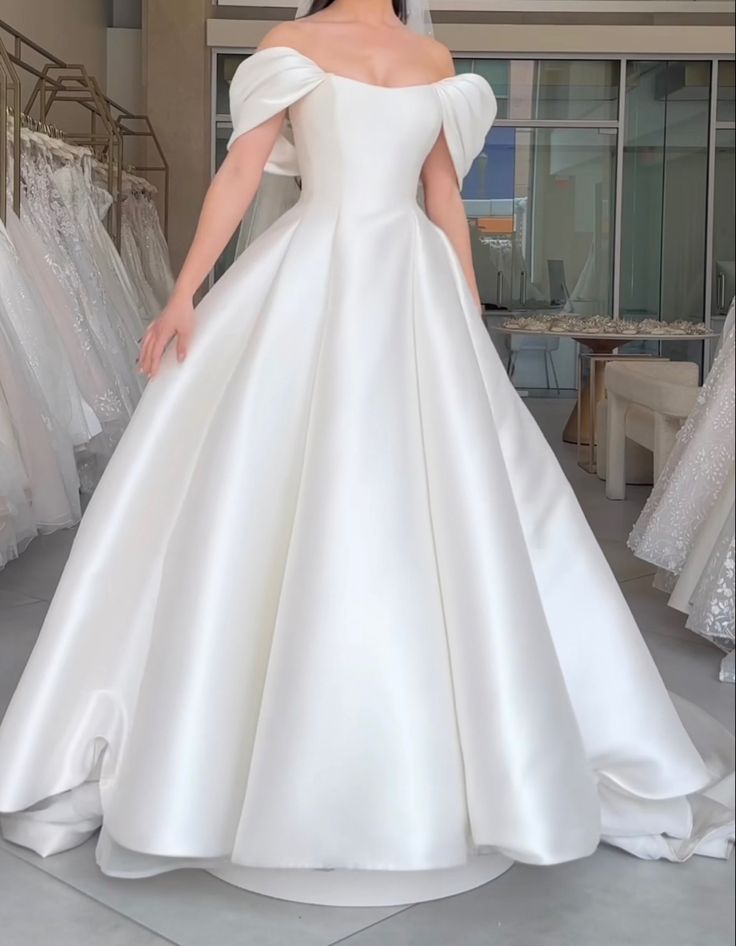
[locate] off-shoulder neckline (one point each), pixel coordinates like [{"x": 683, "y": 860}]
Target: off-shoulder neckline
[{"x": 369, "y": 85}]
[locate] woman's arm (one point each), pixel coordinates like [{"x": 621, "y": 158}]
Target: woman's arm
[
  {"x": 445, "y": 208},
  {"x": 225, "y": 205}
]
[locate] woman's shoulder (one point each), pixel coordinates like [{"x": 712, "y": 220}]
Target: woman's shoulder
[
  {"x": 314, "y": 36},
  {"x": 284, "y": 34},
  {"x": 437, "y": 56}
]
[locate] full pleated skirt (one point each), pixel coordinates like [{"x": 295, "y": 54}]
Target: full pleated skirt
[{"x": 334, "y": 604}]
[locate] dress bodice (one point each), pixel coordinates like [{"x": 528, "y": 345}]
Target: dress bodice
[{"x": 354, "y": 142}]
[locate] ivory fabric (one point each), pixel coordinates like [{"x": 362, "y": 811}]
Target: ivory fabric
[{"x": 334, "y": 604}]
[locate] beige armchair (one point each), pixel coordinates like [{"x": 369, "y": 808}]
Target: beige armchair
[{"x": 647, "y": 403}]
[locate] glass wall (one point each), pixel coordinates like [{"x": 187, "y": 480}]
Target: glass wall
[
  {"x": 723, "y": 267},
  {"x": 591, "y": 201},
  {"x": 664, "y": 198},
  {"x": 540, "y": 201},
  {"x": 540, "y": 198},
  {"x": 724, "y": 212}
]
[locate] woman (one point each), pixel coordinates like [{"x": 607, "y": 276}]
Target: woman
[{"x": 334, "y": 626}]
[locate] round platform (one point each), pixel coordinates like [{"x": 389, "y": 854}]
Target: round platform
[{"x": 366, "y": 888}]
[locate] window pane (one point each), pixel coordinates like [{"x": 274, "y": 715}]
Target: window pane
[
  {"x": 540, "y": 205},
  {"x": 496, "y": 72},
  {"x": 227, "y": 63},
  {"x": 564, "y": 90},
  {"x": 724, "y": 286},
  {"x": 726, "y": 80},
  {"x": 559, "y": 89},
  {"x": 664, "y": 190}
]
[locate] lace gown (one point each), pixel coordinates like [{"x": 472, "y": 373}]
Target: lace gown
[
  {"x": 86, "y": 204},
  {"x": 112, "y": 383},
  {"x": 153, "y": 248},
  {"x": 333, "y": 610},
  {"x": 686, "y": 527},
  {"x": 131, "y": 255}
]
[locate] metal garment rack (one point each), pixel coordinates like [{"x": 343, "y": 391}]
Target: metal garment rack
[
  {"x": 110, "y": 123},
  {"x": 10, "y": 97}
]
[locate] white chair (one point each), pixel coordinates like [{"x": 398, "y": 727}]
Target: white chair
[
  {"x": 639, "y": 466},
  {"x": 647, "y": 404}
]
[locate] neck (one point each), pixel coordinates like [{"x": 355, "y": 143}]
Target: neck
[{"x": 370, "y": 12}]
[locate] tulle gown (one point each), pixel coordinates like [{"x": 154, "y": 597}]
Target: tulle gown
[
  {"x": 17, "y": 526},
  {"x": 334, "y": 605}
]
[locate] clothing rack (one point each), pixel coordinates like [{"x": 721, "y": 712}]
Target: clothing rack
[
  {"x": 110, "y": 123},
  {"x": 10, "y": 96}
]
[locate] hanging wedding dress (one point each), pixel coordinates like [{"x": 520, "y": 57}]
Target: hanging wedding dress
[
  {"x": 87, "y": 204},
  {"x": 16, "y": 518},
  {"x": 30, "y": 322},
  {"x": 142, "y": 215},
  {"x": 106, "y": 427},
  {"x": 686, "y": 528},
  {"x": 334, "y": 610},
  {"x": 696, "y": 471},
  {"x": 45, "y": 449},
  {"x": 131, "y": 256},
  {"x": 69, "y": 253}
]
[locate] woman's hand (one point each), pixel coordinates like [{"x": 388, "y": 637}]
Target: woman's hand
[{"x": 176, "y": 321}]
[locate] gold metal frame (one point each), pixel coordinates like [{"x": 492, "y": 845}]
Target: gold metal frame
[
  {"x": 10, "y": 98},
  {"x": 110, "y": 123}
]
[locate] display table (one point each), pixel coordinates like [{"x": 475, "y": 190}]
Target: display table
[{"x": 605, "y": 345}]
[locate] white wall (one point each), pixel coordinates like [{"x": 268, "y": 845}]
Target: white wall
[
  {"x": 125, "y": 81},
  {"x": 74, "y": 30}
]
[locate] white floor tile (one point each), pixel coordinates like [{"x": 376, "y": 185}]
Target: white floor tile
[
  {"x": 12, "y": 599},
  {"x": 193, "y": 908},
  {"x": 610, "y": 899},
  {"x": 36, "y": 910},
  {"x": 19, "y": 626},
  {"x": 691, "y": 671},
  {"x": 36, "y": 573},
  {"x": 622, "y": 562}
]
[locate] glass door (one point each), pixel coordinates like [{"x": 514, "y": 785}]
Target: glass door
[{"x": 723, "y": 267}]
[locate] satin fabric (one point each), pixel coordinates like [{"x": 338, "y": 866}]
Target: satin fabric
[{"x": 334, "y": 604}]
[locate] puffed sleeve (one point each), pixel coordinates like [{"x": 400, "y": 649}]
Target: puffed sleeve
[
  {"x": 468, "y": 110},
  {"x": 267, "y": 83}
]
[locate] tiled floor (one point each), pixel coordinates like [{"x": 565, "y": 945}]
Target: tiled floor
[{"x": 610, "y": 899}]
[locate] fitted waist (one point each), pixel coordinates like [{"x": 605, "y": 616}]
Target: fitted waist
[{"x": 357, "y": 203}]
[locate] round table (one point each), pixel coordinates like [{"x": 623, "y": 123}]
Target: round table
[{"x": 599, "y": 343}]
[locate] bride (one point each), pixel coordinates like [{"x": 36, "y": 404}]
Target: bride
[{"x": 334, "y": 626}]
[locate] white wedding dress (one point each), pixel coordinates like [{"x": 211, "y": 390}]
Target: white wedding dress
[{"x": 333, "y": 611}]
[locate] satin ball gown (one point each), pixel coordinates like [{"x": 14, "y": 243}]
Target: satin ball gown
[{"x": 333, "y": 608}]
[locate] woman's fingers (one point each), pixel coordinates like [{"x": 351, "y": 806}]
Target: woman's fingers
[
  {"x": 158, "y": 347},
  {"x": 143, "y": 356},
  {"x": 182, "y": 344},
  {"x": 157, "y": 339}
]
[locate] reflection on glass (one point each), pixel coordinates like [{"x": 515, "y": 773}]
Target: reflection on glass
[
  {"x": 664, "y": 192},
  {"x": 227, "y": 258},
  {"x": 551, "y": 90},
  {"x": 227, "y": 63},
  {"x": 496, "y": 73},
  {"x": 725, "y": 110},
  {"x": 724, "y": 280},
  {"x": 539, "y": 202}
]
